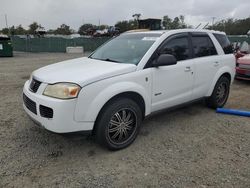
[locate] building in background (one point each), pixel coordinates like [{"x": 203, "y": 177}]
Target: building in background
[{"x": 150, "y": 23}]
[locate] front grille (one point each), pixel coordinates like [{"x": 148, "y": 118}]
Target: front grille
[
  {"x": 46, "y": 112},
  {"x": 31, "y": 105},
  {"x": 34, "y": 85}
]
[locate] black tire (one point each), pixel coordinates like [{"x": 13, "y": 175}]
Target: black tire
[
  {"x": 118, "y": 124},
  {"x": 220, "y": 93}
]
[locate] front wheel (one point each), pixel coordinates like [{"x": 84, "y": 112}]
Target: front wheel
[
  {"x": 118, "y": 124},
  {"x": 220, "y": 93}
]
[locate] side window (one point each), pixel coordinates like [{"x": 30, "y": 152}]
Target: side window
[
  {"x": 177, "y": 47},
  {"x": 203, "y": 46},
  {"x": 225, "y": 43}
]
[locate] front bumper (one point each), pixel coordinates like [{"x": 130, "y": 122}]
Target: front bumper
[
  {"x": 63, "y": 112},
  {"x": 243, "y": 74}
]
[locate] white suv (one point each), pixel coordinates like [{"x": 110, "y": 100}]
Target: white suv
[{"x": 110, "y": 92}]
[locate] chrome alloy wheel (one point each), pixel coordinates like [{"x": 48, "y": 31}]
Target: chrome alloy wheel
[
  {"x": 122, "y": 126},
  {"x": 222, "y": 92}
]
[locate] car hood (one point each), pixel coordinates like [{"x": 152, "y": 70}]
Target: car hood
[
  {"x": 245, "y": 59},
  {"x": 81, "y": 71}
]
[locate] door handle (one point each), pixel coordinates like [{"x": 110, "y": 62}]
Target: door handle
[
  {"x": 187, "y": 69},
  {"x": 216, "y": 63}
]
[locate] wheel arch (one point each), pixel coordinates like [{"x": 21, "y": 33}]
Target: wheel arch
[
  {"x": 220, "y": 74},
  {"x": 136, "y": 97}
]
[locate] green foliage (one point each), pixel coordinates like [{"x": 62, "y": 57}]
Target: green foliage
[
  {"x": 127, "y": 25},
  {"x": 5, "y": 31},
  {"x": 19, "y": 30},
  {"x": 230, "y": 26},
  {"x": 233, "y": 26},
  {"x": 101, "y": 27},
  {"x": 85, "y": 27},
  {"x": 63, "y": 30},
  {"x": 33, "y": 27},
  {"x": 176, "y": 23},
  {"x": 136, "y": 16}
]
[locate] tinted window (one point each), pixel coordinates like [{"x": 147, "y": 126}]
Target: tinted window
[
  {"x": 225, "y": 43},
  {"x": 203, "y": 46},
  {"x": 177, "y": 47}
]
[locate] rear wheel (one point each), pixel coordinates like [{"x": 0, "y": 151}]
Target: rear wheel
[
  {"x": 118, "y": 124},
  {"x": 220, "y": 93}
]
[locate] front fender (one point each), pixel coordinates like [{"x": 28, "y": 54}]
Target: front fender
[{"x": 93, "y": 97}]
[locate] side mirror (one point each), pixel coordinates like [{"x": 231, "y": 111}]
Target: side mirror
[{"x": 165, "y": 60}]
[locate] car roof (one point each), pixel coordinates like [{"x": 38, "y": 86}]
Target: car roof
[{"x": 161, "y": 32}]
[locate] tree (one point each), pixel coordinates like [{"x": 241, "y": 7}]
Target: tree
[
  {"x": 126, "y": 25},
  {"x": 33, "y": 27},
  {"x": 167, "y": 22},
  {"x": 20, "y": 30},
  {"x": 101, "y": 27},
  {"x": 5, "y": 31},
  {"x": 12, "y": 30},
  {"x": 232, "y": 26},
  {"x": 63, "y": 30},
  {"x": 176, "y": 23},
  {"x": 136, "y": 16},
  {"x": 182, "y": 22},
  {"x": 85, "y": 27}
]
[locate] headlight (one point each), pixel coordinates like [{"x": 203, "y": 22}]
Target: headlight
[{"x": 62, "y": 90}]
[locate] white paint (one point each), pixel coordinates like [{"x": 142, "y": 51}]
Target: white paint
[{"x": 160, "y": 87}]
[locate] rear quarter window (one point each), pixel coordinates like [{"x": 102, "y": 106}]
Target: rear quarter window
[{"x": 224, "y": 42}]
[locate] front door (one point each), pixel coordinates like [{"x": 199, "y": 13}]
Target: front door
[{"x": 172, "y": 85}]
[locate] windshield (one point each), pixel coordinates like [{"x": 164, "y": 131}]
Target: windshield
[{"x": 126, "y": 48}]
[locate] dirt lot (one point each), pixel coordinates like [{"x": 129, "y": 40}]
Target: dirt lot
[{"x": 188, "y": 147}]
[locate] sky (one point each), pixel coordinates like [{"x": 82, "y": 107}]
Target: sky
[{"x": 52, "y": 13}]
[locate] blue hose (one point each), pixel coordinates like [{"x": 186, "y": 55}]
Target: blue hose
[{"x": 233, "y": 112}]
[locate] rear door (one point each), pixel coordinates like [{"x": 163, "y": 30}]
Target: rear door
[{"x": 206, "y": 63}]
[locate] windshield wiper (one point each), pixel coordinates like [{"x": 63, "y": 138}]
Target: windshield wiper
[{"x": 110, "y": 60}]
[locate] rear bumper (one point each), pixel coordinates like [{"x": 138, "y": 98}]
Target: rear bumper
[
  {"x": 63, "y": 112},
  {"x": 243, "y": 74}
]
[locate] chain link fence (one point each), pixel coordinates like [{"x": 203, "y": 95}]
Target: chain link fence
[
  {"x": 239, "y": 38},
  {"x": 55, "y": 44}
]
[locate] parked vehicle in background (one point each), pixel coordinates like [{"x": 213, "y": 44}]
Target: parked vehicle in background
[
  {"x": 133, "y": 75},
  {"x": 243, "y": 68},
  {"x": 242, "y": 49},
  {"x": 109, "y": 32}
]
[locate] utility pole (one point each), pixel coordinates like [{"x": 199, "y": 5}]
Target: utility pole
[
  {"x": 213, "y": 22},
  {"x": 6, "y": 20}
]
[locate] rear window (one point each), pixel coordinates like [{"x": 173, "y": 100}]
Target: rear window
[
  {"x": 225, "y": 43},
  {"x": 203, "y": 46}
]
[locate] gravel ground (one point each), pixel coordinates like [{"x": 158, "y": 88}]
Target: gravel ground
[{"x": 188, "y": 147}]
